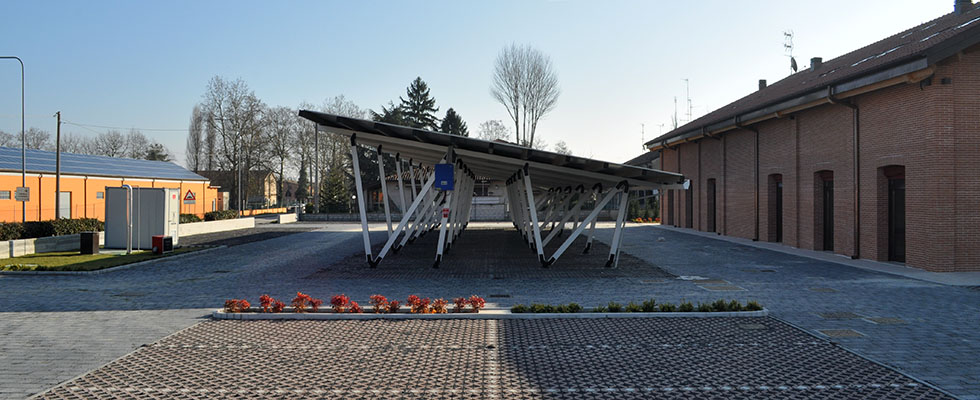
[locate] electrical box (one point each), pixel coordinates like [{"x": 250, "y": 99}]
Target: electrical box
[
  {"x": 444, "y": 176},
  {"x": 155, "y": 211},
  {"x": 162, "y": 244}
]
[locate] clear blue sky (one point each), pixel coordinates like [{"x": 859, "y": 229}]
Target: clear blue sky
[{"x": 620, "y": 63}]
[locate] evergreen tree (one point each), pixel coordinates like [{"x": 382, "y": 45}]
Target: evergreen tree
[
  {"x": 419, "y": 109},
  {"x": 453, "y": 124},
  {"x": 334, "y": 194},
  {"x": 302, "y": 190},
  {"x": 392, "y": 114}
]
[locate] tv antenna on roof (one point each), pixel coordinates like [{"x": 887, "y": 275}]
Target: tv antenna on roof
[{"x": 788, "y": 49}]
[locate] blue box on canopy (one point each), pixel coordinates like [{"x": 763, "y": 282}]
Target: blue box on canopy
[{"x": 444, "y": 176}]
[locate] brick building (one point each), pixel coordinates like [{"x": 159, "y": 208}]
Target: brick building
[{"x": 874, "y": 154}]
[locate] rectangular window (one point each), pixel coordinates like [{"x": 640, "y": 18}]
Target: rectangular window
[
  {"x": 100, "y": 195},
  {"x": 481, "y": 188},
  {"x": 4, "y": 195}
]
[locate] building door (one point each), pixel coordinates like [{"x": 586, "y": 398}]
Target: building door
[
  {"x": 711, "y": 205},
  {"x": 896, "y": 219},
  {"x": 670, "y": 207},
  {"x": 828, "y": 214},
  {"x": 779, "y": 211},
  {"x": 688, "y": 208},
  {"x": 65, "y": 209}
]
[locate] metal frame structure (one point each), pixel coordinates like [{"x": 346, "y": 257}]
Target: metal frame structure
[{"x": 544, "y": 191}]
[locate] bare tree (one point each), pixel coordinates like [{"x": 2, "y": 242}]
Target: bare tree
[
  {"x": 8, "y": 140},
  {"x": 37, "y": 139},
  {"x": 195, "y": 140},
  {"x": 526, "y": 83},
  {"x": 111, "y": 143},
  {"x": 492, "y": 130},
  {"x": 137, "y": 145},
  {"x": 233, "y": 113},
  {"x": 71, "y": 143},
  {"x": 562, "y": 148},
  {"x": 281, "y": 133}
]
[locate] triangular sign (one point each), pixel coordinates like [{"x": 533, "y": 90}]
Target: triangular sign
[{"x": 189, "y": 195}]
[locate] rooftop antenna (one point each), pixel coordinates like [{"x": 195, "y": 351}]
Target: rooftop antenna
[
  {"x": 687, "y": 89},
  {"x": 788, "y": 49},
  {"x": 674, "y": 118},
  {"x": 643, "y": 137}
]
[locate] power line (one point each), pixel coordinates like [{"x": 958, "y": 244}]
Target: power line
[{"x": 120, "y": 127}]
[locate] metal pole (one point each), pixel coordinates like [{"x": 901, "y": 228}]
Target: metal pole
[
  {"x": 316, "y": 167},
  {"x": 23, "y": 137},
  {"x": 57, "y": 169}
]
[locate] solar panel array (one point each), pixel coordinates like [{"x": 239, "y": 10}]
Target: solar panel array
[{"x": 41, "y": 161}]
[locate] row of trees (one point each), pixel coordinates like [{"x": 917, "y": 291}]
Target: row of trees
[
  {"x": 233, "y": 130},
  {"x": 111, "y": 143}
]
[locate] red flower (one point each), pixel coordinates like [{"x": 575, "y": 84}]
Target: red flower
[
  {"x": 355, "y": 308},
  {"x": 300, "y": 302},
  {"x": 477, "y": 303},
  {"x": 277, "y": 306},
  {"x": 460, "y": 303},
  {"x": 266, "y": 302},
  {"x": 380, "y": 303},
  {"x": 439, "y": 306},
  {"x": 339, "y": 303},
  {"x": 315, "y": 304},
  {"x": 393, "y": 306}
]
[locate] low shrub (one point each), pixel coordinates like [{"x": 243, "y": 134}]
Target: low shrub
[
  {"x": 667, "y": 307},
  {"x": 518, "y": 309},
  {"x": 753, "y": 306},
  {"x": 633, "y": 307},
  {"x": 649, "y": 305},
  {"x": 339, "y": 303},
  {"x": 11, "y": 230},
  {"x": 614, "y": 307},
  {"x": 599, "y": 309},
  {"x": 734, "y": 305},
  {"x": 685, "y": 307},
  {"x": 300, "y": 302},
  {"x": 379, "y": 303},
  {"x": 719, "y": 305},
  {"x": 266, "y": 302},
  {"x": 460, "y": 304},
  {"x": 354, "y": 308},
  {"x": 418, "y": 305},
  {"x": 278, "y": 306},
  {"x": 393, "y": 306},
  {"x": 220, "y": 215},
  {"x": 476, "y": 303},
  {"x": 704, "y": 307},
  {"x": 315, "y": 304},
  {"x": 542, "y": 308},
  {"x": 439, "y": 306},
  {"x": 573, "y": 308},
  {"x": 189, "y": 218},
  {"x": 237, "y": 305}
]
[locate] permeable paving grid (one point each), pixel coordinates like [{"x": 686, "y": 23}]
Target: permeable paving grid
[{"x": 685, "y": 358}]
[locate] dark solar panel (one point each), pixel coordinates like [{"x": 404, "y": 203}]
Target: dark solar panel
[{"x": 83, "y": 164}]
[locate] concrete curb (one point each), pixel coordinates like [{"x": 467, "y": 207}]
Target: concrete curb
[
  {"x": 111, "y": 269},
  {"x": 485, "y": 314}
]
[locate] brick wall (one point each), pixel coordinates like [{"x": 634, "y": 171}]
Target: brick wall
[{"x": 932, "y": 130}]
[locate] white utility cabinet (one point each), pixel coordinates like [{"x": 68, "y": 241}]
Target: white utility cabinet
[{"x": 155, "y": 211}]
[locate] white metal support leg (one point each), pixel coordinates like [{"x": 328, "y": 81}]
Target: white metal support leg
[
  {"x": 442, "y": 230},
  {"x": 534, "y": 216},
  {"x": 360, "y": 198},
  {"x": 404, "y": 222},
  {"x": 618, "y": 233},
  {"x": 384, "y": 188},
  {"x": 588, "y": 244},
  {"x": 590, "y": 218}
]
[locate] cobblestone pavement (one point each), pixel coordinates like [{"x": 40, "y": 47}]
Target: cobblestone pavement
[
  {"x": 923, "y": 329},
  {"x": 684, "y": 358}
]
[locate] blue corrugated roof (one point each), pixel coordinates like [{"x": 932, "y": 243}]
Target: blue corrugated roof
[{"x": 40, "y": 161}]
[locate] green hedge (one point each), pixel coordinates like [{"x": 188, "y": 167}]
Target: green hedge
[
  {"x": 220, "y": 215},
  {"x": 188, "y": 218},
  {"x": 55, "y": 227}
]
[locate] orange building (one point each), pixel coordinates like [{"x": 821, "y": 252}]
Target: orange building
[{"x": 83, "y": 182}]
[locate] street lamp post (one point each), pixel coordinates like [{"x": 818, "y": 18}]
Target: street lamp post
[{"x": 23, "y": 137}]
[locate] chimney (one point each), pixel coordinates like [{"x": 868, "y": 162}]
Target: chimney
[
  {"x": 762, "y": 84},
  {"x": 962, "y": 6},
  {"x": 815, "y": 63}
]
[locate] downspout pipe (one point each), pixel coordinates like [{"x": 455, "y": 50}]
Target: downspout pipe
[
  {"x": 856, "y": 170},
  {"x": 755, "y": 173}
]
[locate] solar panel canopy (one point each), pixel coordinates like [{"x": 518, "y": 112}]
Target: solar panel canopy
[
  {"x": 491, "y": 159},
  {"x": 41, "y": 161}
]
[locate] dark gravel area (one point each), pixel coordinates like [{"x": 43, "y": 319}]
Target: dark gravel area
[{"x": 683, "y": 358}]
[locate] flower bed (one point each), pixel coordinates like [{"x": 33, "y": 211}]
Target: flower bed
[{"x": 341, "y": 304}]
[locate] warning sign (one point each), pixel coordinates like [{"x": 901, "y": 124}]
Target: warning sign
[
  {"x": 189, "y": 198},
  {"x": 445, "y": 213}
]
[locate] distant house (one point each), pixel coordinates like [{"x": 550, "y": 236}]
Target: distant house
[{"x": 261, "y": 190}]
